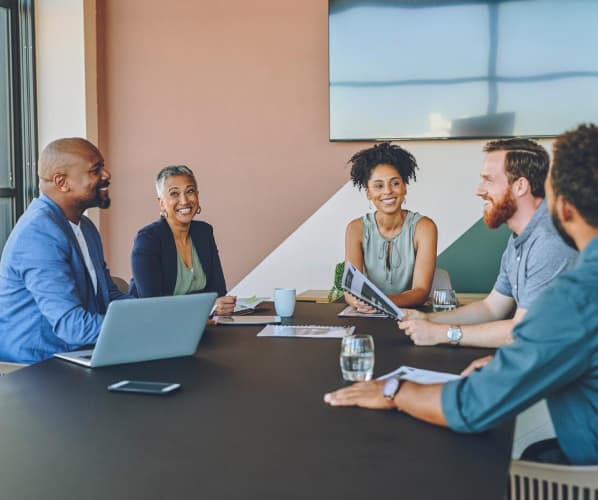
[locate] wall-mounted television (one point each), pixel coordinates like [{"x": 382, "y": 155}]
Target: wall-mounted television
[{"x": 409, "y": 69}]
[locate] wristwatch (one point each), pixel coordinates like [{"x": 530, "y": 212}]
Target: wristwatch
[
  {"x": 391, "y": 387},
  {"x": 454, "y": 334}
]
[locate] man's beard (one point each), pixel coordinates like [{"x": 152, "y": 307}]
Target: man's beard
[
  {"x": 101, "y": 200},
  {"x": 562, "y": 233},
  {"x": 500, "y": 211}
]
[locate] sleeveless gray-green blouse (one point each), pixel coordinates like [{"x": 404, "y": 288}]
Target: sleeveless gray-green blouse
[
  {"x": 393, "y": 274},
  {"x": 189, "y": 280}
]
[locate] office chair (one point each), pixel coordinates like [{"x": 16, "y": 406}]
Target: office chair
[
  {"x": 121, "y": 284},
  {"x": 539, "y": 481}
]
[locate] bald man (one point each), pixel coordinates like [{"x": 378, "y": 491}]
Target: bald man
[{"x": 54, "y": 284}]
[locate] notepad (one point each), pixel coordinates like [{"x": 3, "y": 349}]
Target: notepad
[
  {"x": 246, "y": 320},
  {"x": 307, "y": 331}
]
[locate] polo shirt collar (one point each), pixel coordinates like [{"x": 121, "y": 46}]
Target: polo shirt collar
[{"x": 540, "y": 213}]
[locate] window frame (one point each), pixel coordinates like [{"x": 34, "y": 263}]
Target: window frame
[{"x": 23, "y": 135}]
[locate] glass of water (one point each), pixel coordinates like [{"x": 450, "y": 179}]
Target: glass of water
[
  {"x": 444, "y": 300},
  {"x": 357, "y": 357}
]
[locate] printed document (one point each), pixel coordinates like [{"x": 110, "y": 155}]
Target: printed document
[
  {"x": 358, "y": 285},
  {"x": 420, "y": 376}
]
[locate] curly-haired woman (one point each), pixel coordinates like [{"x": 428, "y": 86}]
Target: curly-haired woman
[{"x": 394, "y": 247}]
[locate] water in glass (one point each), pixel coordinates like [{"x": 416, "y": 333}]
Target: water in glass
[{"x": 357, "y": 357}]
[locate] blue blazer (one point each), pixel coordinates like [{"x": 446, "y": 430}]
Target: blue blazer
[
  {"x": 47, "y": 300},
  {"x": 154, "y": 260}
]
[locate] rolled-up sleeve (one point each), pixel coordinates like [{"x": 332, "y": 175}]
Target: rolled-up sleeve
[{"x": 547, "y": 354}]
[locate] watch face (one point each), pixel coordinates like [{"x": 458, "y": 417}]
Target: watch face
[
  {"x": 391, "y": 386},
  {"x": 454, "y": 334}
]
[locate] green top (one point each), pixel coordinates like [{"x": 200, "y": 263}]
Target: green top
[
  {"x": 389, "y": 263},
  {"x": 189, "y": 280}
]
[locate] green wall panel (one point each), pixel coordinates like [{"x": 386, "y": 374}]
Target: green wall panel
[{"x": 473, "y": 260}]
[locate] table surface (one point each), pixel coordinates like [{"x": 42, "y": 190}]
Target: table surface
[{"x": 249, "y": 422}]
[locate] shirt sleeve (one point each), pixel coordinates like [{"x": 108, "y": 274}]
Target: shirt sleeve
[
  {"x": 548, "y": 257},
  {"x": 146, "y": 265},
  {"x": 549, "y": 352},
  {"x": 216, "y": 280}
]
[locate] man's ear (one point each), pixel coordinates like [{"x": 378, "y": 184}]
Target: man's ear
[
  {"x": 60, "y": 182},
  {"x": 521, "y": 186},
  {"x": 565, "y": 209}
]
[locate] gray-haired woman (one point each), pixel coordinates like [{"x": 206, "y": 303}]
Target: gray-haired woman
[{"x": 177, "y": 255}]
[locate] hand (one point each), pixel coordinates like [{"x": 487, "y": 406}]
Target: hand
[
  {"x": 364, "y": 308},
  {"x": 225, "y": 305},
  {"x": 424, "y": 332},
  {"x": 477, "y": 364},
  {"x": 365, "y": 394},
  {"x": 414, "y": 314}
]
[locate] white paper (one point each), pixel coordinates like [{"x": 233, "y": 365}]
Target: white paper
[
  {"x": 307, "y": 331},
  {"x": 248, "y": 303},
  {"x": 420, "y": 376},
  {"x": 351, "y": 312}
]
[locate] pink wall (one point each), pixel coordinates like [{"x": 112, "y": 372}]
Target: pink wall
[{"x": 236, "y": 90}]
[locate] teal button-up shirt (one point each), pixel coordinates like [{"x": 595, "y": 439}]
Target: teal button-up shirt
[{"x": 554, "y": 356}]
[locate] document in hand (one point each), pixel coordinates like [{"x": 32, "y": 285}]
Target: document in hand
[{"x": 358, "y": 285}]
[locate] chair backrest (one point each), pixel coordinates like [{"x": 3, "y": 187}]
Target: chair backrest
[
  {"x": 121, "y": 284},
  {"x": 441, "y": 280},
  {"x": 539, "y": 481}
]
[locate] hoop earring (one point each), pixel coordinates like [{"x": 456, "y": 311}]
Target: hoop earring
[{"x": 198, "y": 210}]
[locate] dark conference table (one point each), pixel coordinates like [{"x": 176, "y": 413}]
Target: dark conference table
[{"x": 249, "y": 422}]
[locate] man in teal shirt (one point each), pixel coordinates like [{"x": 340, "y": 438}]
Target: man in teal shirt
[{"x": 554, "y": 354}]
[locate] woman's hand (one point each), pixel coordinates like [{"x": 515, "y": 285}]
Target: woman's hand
[{"x": 225, "y": 305}]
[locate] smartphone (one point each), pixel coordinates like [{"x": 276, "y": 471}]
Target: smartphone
[{"x": 144, "y": 387}]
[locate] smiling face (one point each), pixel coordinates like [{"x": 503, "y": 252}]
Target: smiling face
[
  {"x": 179, "y": 200},
  {"x": 88, "y": 178},
  {"x": 495, "y": 190},
  {"x": 386, "y": 189}
]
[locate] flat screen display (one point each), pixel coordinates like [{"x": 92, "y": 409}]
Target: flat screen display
[{"x": 461, "y": 69}]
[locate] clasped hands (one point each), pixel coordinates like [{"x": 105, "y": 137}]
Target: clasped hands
[{"x": 420, "y": 330}]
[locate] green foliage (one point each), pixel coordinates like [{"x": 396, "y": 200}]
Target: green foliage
[{"x": 336, "y": 291}]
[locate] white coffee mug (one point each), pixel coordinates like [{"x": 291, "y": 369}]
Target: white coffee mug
[{"x": 284, "y": 301}]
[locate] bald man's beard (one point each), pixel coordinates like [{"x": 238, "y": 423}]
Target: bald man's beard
[
  {"x": 103, "y": 200},
  {"x": 500, "y": 211}
]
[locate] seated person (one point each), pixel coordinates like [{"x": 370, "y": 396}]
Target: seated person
[
  {"x": 54, "y": 284},
  {"x": 554, "y": 353},
  {"x": 177, "y": 255},
  {"x": 512, "y": 187},
  {"x": 394, "y": 247}
]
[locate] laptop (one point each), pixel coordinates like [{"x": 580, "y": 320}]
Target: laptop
[{"x": 146, "y": 329}]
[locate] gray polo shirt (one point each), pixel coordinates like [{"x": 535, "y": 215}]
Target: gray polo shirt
[{"x": 533, "y": 259}]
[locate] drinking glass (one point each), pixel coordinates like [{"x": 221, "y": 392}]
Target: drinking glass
[
  {"x": 444, "y": 300},
  {"x": 357, "y": 357}
]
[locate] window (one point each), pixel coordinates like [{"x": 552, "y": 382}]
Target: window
[{"x": 18, "y": 148}]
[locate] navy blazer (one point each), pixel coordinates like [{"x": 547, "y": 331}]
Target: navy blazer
[{"x": 154, "y": 260}]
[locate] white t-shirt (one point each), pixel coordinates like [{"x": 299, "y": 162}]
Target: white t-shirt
[{"x": 85, "y": 251}]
